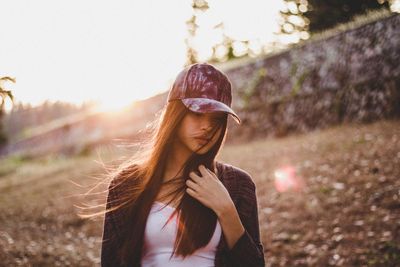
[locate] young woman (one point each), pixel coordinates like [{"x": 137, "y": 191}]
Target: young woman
[{"x": 173, "y": 204}]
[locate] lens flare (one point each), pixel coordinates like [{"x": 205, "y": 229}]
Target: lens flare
[{"x": 287, "y": 180}]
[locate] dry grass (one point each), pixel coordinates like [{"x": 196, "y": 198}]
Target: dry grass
[{"x": 347, "y": 215}]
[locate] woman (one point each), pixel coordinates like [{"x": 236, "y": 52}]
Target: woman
[{"x": 173, "y": 204}]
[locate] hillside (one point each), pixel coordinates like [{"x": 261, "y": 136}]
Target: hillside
[
  {"x": 347, "y": 213},
  {"x": 349, "y": 74}
]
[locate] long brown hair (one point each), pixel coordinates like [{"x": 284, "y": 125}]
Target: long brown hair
[{"x": 142, "y": 175}]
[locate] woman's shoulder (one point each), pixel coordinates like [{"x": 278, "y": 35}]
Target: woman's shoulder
[
  {"x": 119, "y": 187},
  {"x": 239, "y": 175},
  {"x": 120, "y": 179}
]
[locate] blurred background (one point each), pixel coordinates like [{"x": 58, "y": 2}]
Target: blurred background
[{"x": 316, "y": 84}]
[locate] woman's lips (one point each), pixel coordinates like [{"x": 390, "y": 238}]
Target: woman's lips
[{"x": 202, "y": 140}]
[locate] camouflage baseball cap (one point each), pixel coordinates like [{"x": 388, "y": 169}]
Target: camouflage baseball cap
[{"x": 203, "y": 88}]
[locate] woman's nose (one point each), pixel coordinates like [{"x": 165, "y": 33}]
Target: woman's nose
[{"x": 206, "y": 125}]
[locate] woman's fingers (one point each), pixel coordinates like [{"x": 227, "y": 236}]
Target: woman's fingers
[
  {"x": 192, "y": 185},
  {"x": 191, "y": 192},
  {"x": 203, "y": 170},
  {"x": 212, "y": 174},
  {"x": 195, "y": 177},
  {"x": 204, "y": 173},
  {"x": 208, "y": 172}
]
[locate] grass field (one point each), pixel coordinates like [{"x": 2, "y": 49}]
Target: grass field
[{"x": 348, "y": 213}]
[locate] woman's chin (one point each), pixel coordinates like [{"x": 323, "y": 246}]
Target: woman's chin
[{"x": 201, "y": 150}]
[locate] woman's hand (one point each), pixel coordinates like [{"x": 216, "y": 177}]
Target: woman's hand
[{"x": 209, "y": 190}]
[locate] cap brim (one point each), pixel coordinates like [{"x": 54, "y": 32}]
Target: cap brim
[{"x": 205, "y": 105}]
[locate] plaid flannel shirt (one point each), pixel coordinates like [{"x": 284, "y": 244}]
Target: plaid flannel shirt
[{"x": 248, "y": 250}]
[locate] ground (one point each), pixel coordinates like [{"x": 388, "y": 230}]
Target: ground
[{"x": 346, "y": 214}]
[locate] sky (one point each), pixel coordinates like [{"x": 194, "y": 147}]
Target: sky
[{"x": 113, "y": 52}]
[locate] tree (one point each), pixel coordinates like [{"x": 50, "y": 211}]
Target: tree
[
  {"x": 222, "y": 51},
  {"x": 318, "y": 15},
  {"x": 293, "y": 19},
  {"x": 4, "y": 94},
  {"x": 191, "y": 54},
  {"x": 226, "y": 46}
]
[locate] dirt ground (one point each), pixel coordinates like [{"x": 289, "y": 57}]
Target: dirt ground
[{"x": 346, "y": 214}]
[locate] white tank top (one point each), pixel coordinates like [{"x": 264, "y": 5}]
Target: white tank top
[{"x": 159, "y": 242}]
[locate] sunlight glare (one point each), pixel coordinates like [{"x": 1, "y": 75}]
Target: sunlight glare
[
  {"x": 395, "y": 6},
  {"x": 287, "y": 180},
  {"x": 255, "y": 22},
  {"x": 114, "y": 103},
  {"x": 8, "y": 105}
]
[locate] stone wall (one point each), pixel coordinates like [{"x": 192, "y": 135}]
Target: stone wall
[{"x": 353, "y": 76}]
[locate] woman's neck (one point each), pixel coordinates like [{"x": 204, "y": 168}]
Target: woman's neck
[{"x": 177, "y": 157}]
